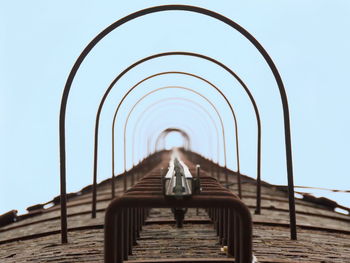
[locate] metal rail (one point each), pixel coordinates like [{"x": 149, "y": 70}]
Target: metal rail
[
  {"x": 167, "y": 130},
  {"x": 126, "y": 214},
  {"x": 212, "y": 172},
  {"x": 178, "y": 181},
  {"x": 225, "y": 20}
]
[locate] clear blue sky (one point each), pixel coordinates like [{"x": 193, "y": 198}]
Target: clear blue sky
[{"x": 40, "y": 40}]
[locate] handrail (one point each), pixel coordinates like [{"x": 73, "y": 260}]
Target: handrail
[{"x": 126, "y": 214}]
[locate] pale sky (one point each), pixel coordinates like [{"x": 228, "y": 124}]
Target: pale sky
[{"x": 40, "y": 40}]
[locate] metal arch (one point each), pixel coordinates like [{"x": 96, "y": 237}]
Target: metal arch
[
  {"x": 114, "y": 119},
  {"x": 113, "y": 132},
  {"x": 171, "y": 87},
  {"x": 171, "y": 109},
  {"x": 144, "y": 111},
  {"x": 232, "y": 73},
  {"x": 258, "y": 199},
  {"x": 185, "y": 127},
  {"x": 227, "y": 21},
  {"x": 228, "y": 103},
  {"x": 176, "y": 99},
  {"x": 170, "y": 130},
  {"x": 180, "y": 99},
  {"x": 184, "y": 54},
  {"x": 165, "y": 133},
  {"x": 178, "y": 123}
]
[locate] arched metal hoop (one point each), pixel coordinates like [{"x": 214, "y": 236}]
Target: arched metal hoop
[
  {"x": 213, "y": 86},
  {"x": 184, "y": 127},
  {"x": 114, "y": 121},
  {"x": 234, "y": 25},
  {"x": 141, "y": 116},
  {"x": 232, "y": 73},
  {"x": 184, "y": 88},
  {"x": 94, "y": 195},
  {"x": 164, "y": 133}
]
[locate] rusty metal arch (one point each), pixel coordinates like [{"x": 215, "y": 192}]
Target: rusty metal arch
[
  {"x": 114, "y": 121},
  {"x": 187, "y": 128},
  {"x": 224, "y": 145},
  {"x": 258, "y": 187},
  {"x": 169, "y": 130},
  {"x": 170, "y": 87},
  {"x": 163, "y": 124},
  {"x": 225, "y": 20},
  {"x": 177, "y": 99},
  {"x": 170, "y": 54}
]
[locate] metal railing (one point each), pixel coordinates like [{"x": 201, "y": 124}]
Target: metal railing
[
  {"x": 148, "y": 11},
  {"x": 126, "y": 214},
  {"x": 113, "y": 83}
]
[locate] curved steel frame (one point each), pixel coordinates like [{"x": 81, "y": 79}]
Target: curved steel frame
[
  {"x": 165, "y": 133},
  {"x": 225, "y": 20},
  {"x": 183, "y": 99},
  {"x": 183, "y": 73},
  {"x": 169, "y": 123},
  {"x": 179, "y": 99},
  {"x": 172, "y": 87},
  {"x": 170, "y": 109},
  {"x": 184, "y": 127},
  {"x": 258, "y": 199}
]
